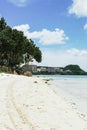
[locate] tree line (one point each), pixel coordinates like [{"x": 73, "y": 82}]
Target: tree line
[{"x": 15, "y": 48}]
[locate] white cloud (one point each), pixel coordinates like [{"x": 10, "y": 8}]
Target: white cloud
[
  {"x": 76, "y": 52},
  {"x": 24, "y": 27},
  {"x": 19, "y": 2},
  {"x": 79, "y": 8},
  {"x": 45, "y": 36},
  {"x": 63, "y": 58},
  {"x": 85, "y": 27}
]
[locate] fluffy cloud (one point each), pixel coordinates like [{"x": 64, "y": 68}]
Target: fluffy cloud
[
  {"x": 24, "y": 28},
  {"x": 45, "y": 36},
  {"x": 85, "y": 27},
  {"x": 63, "y": 58},
  {"x": 76, "y": 52},
  {"x": 79, "y": 8},
  {"x": 19, "y": 2}
]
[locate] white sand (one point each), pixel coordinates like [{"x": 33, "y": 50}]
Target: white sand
[{"x": 29, "y": 105}]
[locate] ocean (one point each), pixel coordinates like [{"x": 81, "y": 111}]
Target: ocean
[{"x": 73, "y": 89}]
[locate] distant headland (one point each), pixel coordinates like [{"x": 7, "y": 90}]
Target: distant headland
[{"x": 67, "y": 70}]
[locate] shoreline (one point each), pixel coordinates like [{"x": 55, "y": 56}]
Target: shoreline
[
  {"x": 72, "y": 92},
  {"x": 30, "y": 103}
]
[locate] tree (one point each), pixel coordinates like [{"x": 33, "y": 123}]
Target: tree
[
  {"x": 32, "y": 52},
  {"x": 2, "y": 24},
  {"x": 15, "y": 48}
]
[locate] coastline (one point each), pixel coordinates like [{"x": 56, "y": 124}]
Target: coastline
[
  {"x": 74, "y": 90},
  {"x": 31, "y": 103}
]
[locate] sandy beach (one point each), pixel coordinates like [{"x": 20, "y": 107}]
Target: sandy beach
[{"x": 30, "y": 103}]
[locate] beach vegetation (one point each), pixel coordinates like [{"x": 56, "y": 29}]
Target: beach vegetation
[
  {"x": 15, "y": 48},
  {"x": 73, "y": 70}
]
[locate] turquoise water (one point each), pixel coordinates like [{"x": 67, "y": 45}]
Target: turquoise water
[
  {"x": 75, "y": 85},
  {"x": 64, "y": 76},
  {"x": 72, "y": 88}
]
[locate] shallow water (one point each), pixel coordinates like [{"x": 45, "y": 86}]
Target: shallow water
[{"x": 73, "y": 89}]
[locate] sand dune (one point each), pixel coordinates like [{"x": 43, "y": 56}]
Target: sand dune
[{"x": 29, "y": 103}]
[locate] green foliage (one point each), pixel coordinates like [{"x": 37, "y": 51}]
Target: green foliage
[
  {"x": 73, "y": 70},
  {"x": 15, "y": 48},
  {"x": 2, "y": 24}
]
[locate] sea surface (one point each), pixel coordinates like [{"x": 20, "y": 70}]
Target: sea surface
[{"x": 73, "y": 89}]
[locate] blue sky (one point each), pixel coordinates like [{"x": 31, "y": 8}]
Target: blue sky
[{"x": 58, "y": 27}]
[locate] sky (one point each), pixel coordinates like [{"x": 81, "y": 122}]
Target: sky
[{"x": 58, "y": 28}]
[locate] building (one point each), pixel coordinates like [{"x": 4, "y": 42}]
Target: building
[
  {"x": 41, "y": 69},
  {"x": 46, "y": 69},
  {"x": 31, "y": 68}
]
